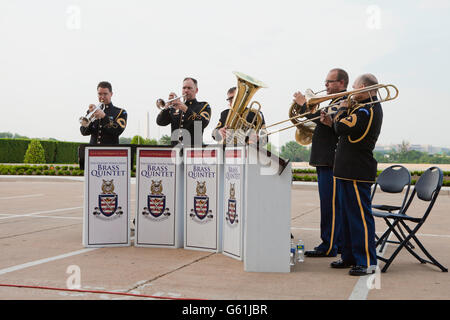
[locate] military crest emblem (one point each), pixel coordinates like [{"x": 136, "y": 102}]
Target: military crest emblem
[
  {"x": 201, "y": 211},
  {"x": 231, "y": 215},
  {"x": 108, "y": 200},
  {"x": 156, "y": 202}
]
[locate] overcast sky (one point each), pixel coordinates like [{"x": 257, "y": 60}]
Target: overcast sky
[{"x": 54, "y": 52}]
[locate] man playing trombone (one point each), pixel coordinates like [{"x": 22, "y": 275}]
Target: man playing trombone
[
  {"x": 104, "y": 122},
  {"x": 187, "y": 119},
  {"x": 358, "y": 127},
  {"x": 323, "y": 148}
]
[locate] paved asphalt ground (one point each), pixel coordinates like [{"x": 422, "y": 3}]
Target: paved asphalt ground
[{"x": 41, "y": 246}]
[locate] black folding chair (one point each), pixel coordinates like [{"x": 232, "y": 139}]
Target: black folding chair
[
  {"x": 427, "y": 189},
  {"x": 393, "y": 179}
]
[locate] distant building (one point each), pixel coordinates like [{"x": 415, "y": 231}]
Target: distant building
[{"x": 428, "y": 148}]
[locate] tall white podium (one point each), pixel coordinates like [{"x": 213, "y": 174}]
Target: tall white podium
[
  {"x": 203, "y": 190},
  {"x": 159, "y": 197},
  {"x": 238, "y": 202},
  {"x": 107, "y": 197},
  {"x": 233, "y": 201},
  {"x": 267, "y": 208}
]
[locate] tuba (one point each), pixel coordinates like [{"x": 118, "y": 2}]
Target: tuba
[{"x": 236, "y": 120}]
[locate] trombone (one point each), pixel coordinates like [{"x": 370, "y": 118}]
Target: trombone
[
  {"x": 161, "y": 104},
  {"x": 313, "y": 102}
]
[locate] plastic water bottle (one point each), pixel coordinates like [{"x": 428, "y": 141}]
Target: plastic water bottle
[
  {"x": 300, "y": 251},
  {"x": 292, "y": 254}
]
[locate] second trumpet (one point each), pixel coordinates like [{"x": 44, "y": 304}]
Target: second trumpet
[{"x": 161, "y": 104}]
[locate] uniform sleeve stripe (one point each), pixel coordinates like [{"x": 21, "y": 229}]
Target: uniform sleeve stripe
[
  {"x": 122, "y": 122},
  {"x": 349, "y": 122},
  {"x": 205, "y": 115}
]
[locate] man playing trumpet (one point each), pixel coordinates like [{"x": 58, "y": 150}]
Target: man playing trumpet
[
  {"x": 107, "y": 122},
  {"x": 187, "y": 119}
]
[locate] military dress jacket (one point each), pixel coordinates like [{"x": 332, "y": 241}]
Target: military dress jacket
[
  {"x": 197, "y": 115},
  {"x": 107, "y": 130},
  {"x": 358, "y": 130}
]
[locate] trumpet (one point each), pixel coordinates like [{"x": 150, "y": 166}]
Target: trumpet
[
  {"x": 305, "y": 127},
  {"x": 161, "y": 104},
  {"x": 90, "y": 117}
]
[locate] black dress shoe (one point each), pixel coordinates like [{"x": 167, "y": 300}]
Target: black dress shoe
[
  {"x": 341, "y": 264},
  {"x": 316, "y": 253},
  {"x": 360, "y": 271}
]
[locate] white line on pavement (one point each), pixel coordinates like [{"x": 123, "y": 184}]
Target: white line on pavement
[
  {"x": 38, "y": 262},
  {"x": 362, "y": 288},
  {"x": 39, "y": 212},
  {"x": 24, "y": 196},
  {"x": 40, "y": 216},
  {"x": 42, "y": 261}
]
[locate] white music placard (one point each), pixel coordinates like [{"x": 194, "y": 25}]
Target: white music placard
[
  {"x": 202, "y": 221},
  {"x": 233, "y": 208},
  {"x": 157, "y": 213},
  {"x": 107, "y": 194}
]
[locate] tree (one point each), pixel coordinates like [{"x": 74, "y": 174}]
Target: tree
[
  {"x": 35, "y": 152},
  {"x": 137, "y": 139},
  {"x": 123, "y": 140},
  {"x": 18, "y": 136},
  {"x": 6, "y": 135},
  {"x": 271, "y": 148},
  {"x": 295, "y": 152},
  {"x": 165, "y": 140},
  {"x": 404, "y": 147}
]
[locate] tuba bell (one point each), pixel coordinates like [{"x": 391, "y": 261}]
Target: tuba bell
[{"x": 236, "y": 120}]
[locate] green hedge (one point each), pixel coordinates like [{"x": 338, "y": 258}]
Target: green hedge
[
  {"x": 45, "y": 170},
  {"x": 13, "y": 151}
]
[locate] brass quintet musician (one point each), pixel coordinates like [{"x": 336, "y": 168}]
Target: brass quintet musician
[
  {"x": 220, "y": 132},
  {"x": 188, "y": 119},
  {"x": 358, "y": 127},
  {"x": 324, "y": 141},
  {"x": 104, "y": 122}
]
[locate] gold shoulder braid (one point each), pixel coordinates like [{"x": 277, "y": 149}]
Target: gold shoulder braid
[
  {"x": 122, "y": 122},
  {"x": 367, "y": 129}
]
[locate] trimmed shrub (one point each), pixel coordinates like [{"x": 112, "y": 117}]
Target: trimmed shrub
[{"x": 35, "y": 153}]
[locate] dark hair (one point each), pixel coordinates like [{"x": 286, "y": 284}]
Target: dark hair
[
  {"x": 231, "y": 90},
  {"x": 341, "y": 75},
  {"x": 105, "y": 85},
  {"x": 193, "y": 80}
]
